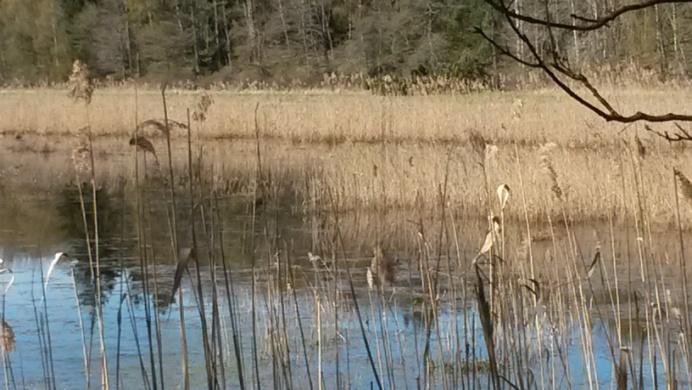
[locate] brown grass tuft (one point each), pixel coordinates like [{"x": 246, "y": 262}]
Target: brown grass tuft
[
  {"x": 641, "y": 150},
  {"x": 477, "y": 142},
  {"x": 160, "y": 125},
  {"x": 7, "y": 338},
  {"x": 200, "y": 113},
  {"x": 685, "y": 185}
]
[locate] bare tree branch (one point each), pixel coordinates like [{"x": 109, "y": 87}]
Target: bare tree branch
[
  {"x": 585, "y": 24},
  {"x": 560, "y": 73},
  {"x": 504, "y": 51},
  {"x": 681, "y": 135}
]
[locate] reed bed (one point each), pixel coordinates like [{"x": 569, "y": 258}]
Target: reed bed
[
  {"x": 571, "y": 275},
  {"x": 596, "y": 183},
  {"x": 317, "y": 116}
]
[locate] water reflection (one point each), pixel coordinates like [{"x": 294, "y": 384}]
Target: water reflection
[
  {"x": 74, "y": 212},
  {"x": 309, "y": 310},
  {"x": 402, "y": 323}
]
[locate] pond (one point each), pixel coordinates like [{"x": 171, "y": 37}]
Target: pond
[{"x": 281, "y": 290}]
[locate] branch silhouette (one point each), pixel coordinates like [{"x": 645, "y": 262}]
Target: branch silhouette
[{"x": 553, "y": 65}]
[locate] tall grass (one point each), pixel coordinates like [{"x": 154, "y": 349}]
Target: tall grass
[
  {"x": 526, "y": 314},
  {"x": 312, "y": 117}
]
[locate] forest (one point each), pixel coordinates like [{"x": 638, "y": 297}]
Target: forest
[
  {"x": 284, "y": 40},
  {"x": 345, "y": 194}
]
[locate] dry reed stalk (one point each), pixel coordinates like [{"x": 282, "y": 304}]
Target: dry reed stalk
[
  {"x": 253, "y": 248},
  {"x": 40, "y": 332},
  {"x": 298, "y": 319},
  {"x": 484, "y": 312},
  {"x": 142, "y": 204},
  {"x": 97, "y": 273},
  {"x": 216, "y": 331},
  {"x": 81, "y": 161},
  {"x": 340, "y": 249},
  {"x": 47, "y": 338},
  {"x": 377, "y": 341},
  {"x": 209, "y": 360},
  {"x": 186, "y": 254},
  {"x": 121, "y": 283},
  {"x": 51, "y": 266},
  {"x": 231, "y": 298},
  {"x": 529, "y": 244},
  {"x": 81, "y": 329},
  {"x": 686, "y": 189},
  {"x": 617, "y": 303},
  {"x": 318, "y": 321},
  {"x": 181, "y": 317},
  {"x": 82, "y": 88},
  {"x": 546, "y": 163}
]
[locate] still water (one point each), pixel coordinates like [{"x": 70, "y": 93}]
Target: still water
[{"x": 289, "y": 307}]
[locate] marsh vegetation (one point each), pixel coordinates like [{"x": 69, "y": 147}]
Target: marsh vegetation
[{"x": 226, "y": 240}]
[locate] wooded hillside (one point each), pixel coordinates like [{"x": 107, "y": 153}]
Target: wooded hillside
[{"x": 302, "y": 39}]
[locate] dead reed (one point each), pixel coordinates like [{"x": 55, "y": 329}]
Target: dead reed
[
  {"x": 315, "y": 117},
  {"x": 294, "y": 322}
]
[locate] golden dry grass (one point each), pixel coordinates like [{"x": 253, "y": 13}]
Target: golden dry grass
[
  {"x": 316, "y": 115},
  {"x": 380, "y": 153},
  {"x": 595, "y": 184},
  {"x": 384, "y": 161}
]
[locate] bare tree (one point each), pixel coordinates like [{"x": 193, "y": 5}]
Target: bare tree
[{"x": 543, "y": 53}]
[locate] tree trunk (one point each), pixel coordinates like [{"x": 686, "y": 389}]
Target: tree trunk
[
  {"x": 138, "y": 63},
  {"x": 56, "y": 61},
  {"x": 251, "y": 31},
  {"x": 303, "y": 30},
  {"x": 177, "y": 15},
  {"x": 575, "y": 38},
  {"x": 678, "y": 51},
  {"x": 326, "y": 34},
  {"x": 493, "y": 33},
  {"x": 128, "y": 45},
  {"x": 227, "y": 32},
  {"x": 284, "y": 26},
  {"x": 219, "y": 57},
  {"x": 195, "y": 49},
  {"x": 663, "y": 58}
]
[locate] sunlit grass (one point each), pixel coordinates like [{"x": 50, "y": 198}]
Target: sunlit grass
[
  {"x": 320, "y": 116},
  {"x": 578, "y": 242}
]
